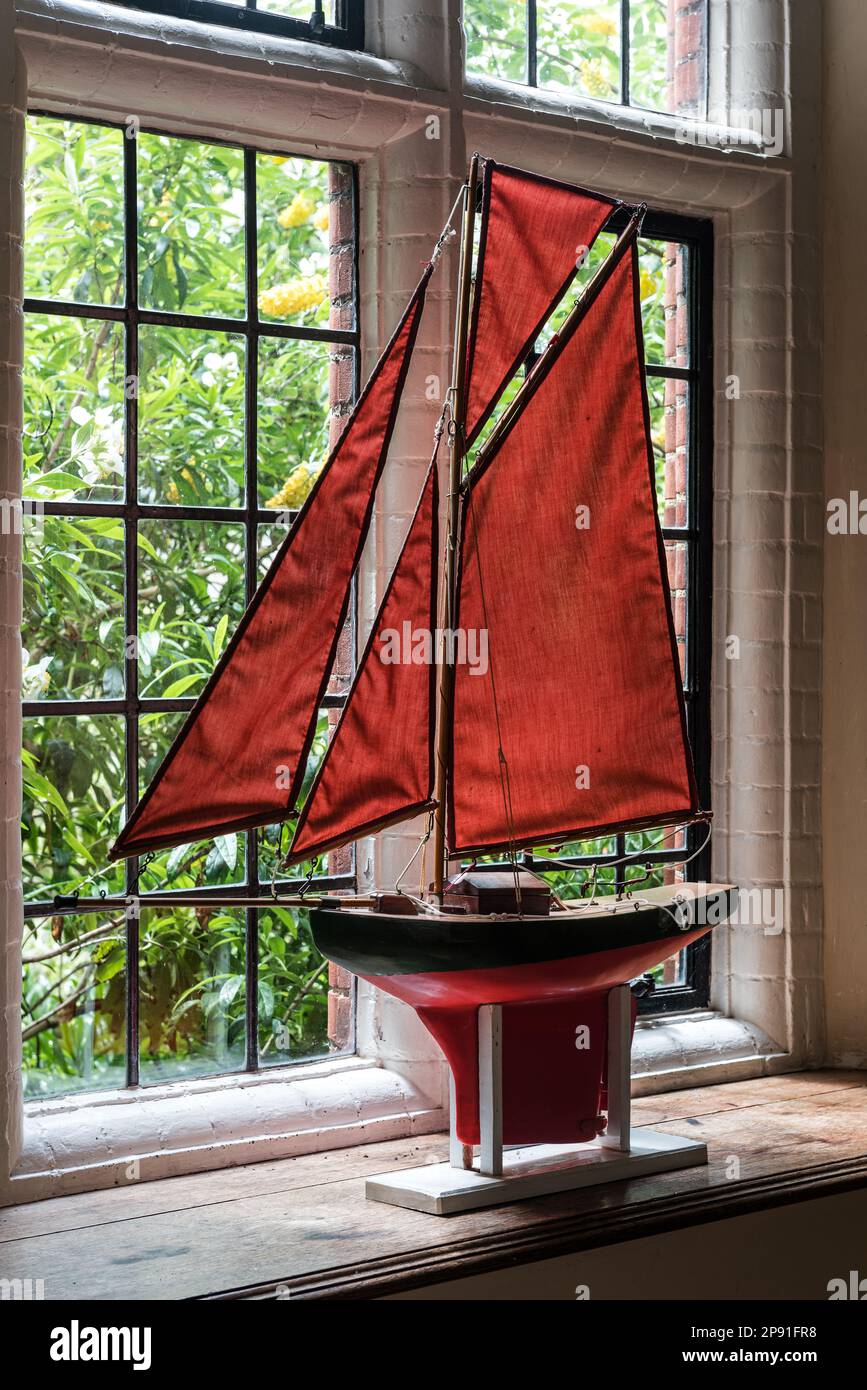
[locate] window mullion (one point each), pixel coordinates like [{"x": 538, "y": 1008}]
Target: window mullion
[
  {"x": 251, "y": 511},
  {"x": 131, "y": 383},
  {"x": 532, "y": 40},
  {"x": 624, "y": 52}
]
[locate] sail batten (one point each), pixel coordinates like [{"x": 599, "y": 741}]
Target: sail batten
[
  {"x": 580, "y": 730},
  {"x": 378, "y": 768},
  {"x": 533, "y": 232},
  {"x": 240, "y": 757}
]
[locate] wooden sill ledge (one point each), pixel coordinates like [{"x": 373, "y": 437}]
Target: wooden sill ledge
[{"x": 302, "y": 1227}]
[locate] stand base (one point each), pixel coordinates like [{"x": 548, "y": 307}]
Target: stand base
[{"x": 534, "y": 1171}]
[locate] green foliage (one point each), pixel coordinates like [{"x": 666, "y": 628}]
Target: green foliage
[
  {"x": 577, "y": 46},
  {"x": 191, "y": 580}
]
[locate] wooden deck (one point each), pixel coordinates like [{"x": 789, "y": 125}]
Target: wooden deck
[{"x": 302, "y": 1226}]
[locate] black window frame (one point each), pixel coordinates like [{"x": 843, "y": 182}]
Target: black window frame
[
  {"x": 131, "y": 511},
  {"x": 347, "y": 32}
]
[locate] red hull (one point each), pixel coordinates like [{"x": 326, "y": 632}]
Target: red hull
[{"x": 555, "y": 1034}]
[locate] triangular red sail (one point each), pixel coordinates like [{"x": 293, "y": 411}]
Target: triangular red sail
[
  {"x": 532, "y": 231},
  {"x": 239, "y": 759},
  {"x": 584, "y": 693},
  {"x": 378, "y": 768}
]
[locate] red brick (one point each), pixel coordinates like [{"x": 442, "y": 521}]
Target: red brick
[
  {"x": 342, "y": 315},
  {"x": 688, "y": 35},
  {"x": 688, "y": 83},
  {"x": 339, "y": 979},
  {"x": 339, "y": 1020},
  {"x": 341, "y": 273},
  {"x": 341, "y": 378}
]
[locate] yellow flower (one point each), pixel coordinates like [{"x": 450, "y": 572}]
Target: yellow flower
[
  {"x": 294, "y": 490},
  {"x": 594, "y": 79},
  {"x": 186, "y": 474},
  {"x": 648, "y": 285},
  {"x": 597, "y": 25},
  {"x": 276, "y": 158},
  {"x": 297, "y": 211},
  {"x": 172, "y": 492},
  {"x": 294, "y": 297},
  {"x": 321, "y": 219}
]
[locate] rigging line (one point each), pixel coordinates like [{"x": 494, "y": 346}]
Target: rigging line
[
  {"x": 423, "y": 839},
  {"x": 448, "y": 232},
  {"x": 278, "y": 860},
  {"x": 637, "y": 854},
  {"x": 65, "y": 899}
]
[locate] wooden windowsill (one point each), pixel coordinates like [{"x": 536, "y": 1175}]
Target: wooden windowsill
[{"x": 301, "y": 1227}]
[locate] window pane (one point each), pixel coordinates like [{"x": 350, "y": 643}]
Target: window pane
[
  {"x": 205, "y": 863},
  {"x": 668, "y": 60},
  {"x": 677, "y": 556},
  {"x": 578, "y": 47},
  {"x": 669, "y": 431},
  {"x": 73, "y": 1004},
  {"x": 294, "y": 415},
  {"x": 298, "y": 223},
  {"x": 73, "y": 408},
  {"x": 664, "y": 268},
  {"x": 74, "y": 212},
  {"x": 192, "y": 992},
  {"x": 574, "y": 848},
  {"x": 297, "y": 9},
  {"x": 569, "y": 882},
  {"x": 73, "y": 623},
  {"x": 191, "y": 595},
  {"x": 191, "y": 226},
  {"x": 73, "y": 800},
  {"x": 191, "y": 417},
  {"x": 496, "y": 34},
  {"x": 663, "y": 837},
  {"x": 293, "y": 989}
]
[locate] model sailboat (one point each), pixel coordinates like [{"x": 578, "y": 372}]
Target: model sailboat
[{"x": 573, "y": 725}]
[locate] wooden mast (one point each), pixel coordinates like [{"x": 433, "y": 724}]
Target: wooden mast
[{"x": 457, "y": 441}]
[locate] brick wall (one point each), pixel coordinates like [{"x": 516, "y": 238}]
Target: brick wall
[{"x": 687, "y": 58}]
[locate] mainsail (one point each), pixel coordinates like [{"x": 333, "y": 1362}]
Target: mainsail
[
  {"x": 378, "y": 767},
  {"x": 240, "y": 757},
  {"x": 534, "y": 232},
  {"x": 579, "y": 727}
]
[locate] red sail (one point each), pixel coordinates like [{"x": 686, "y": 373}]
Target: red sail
[
  {"x": 532, "y": 233},
  {"x": 239, "y": 759},
  {"x": 583, "y": 694},
  {"x": 378, "y": 768}
]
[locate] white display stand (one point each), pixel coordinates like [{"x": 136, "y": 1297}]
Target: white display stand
[{"x": 509, "y": 1174}]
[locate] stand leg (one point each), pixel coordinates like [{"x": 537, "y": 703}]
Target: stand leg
[
  {"x": 491, "y": 1089},
  {"x": 619, "y": 1070}
]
